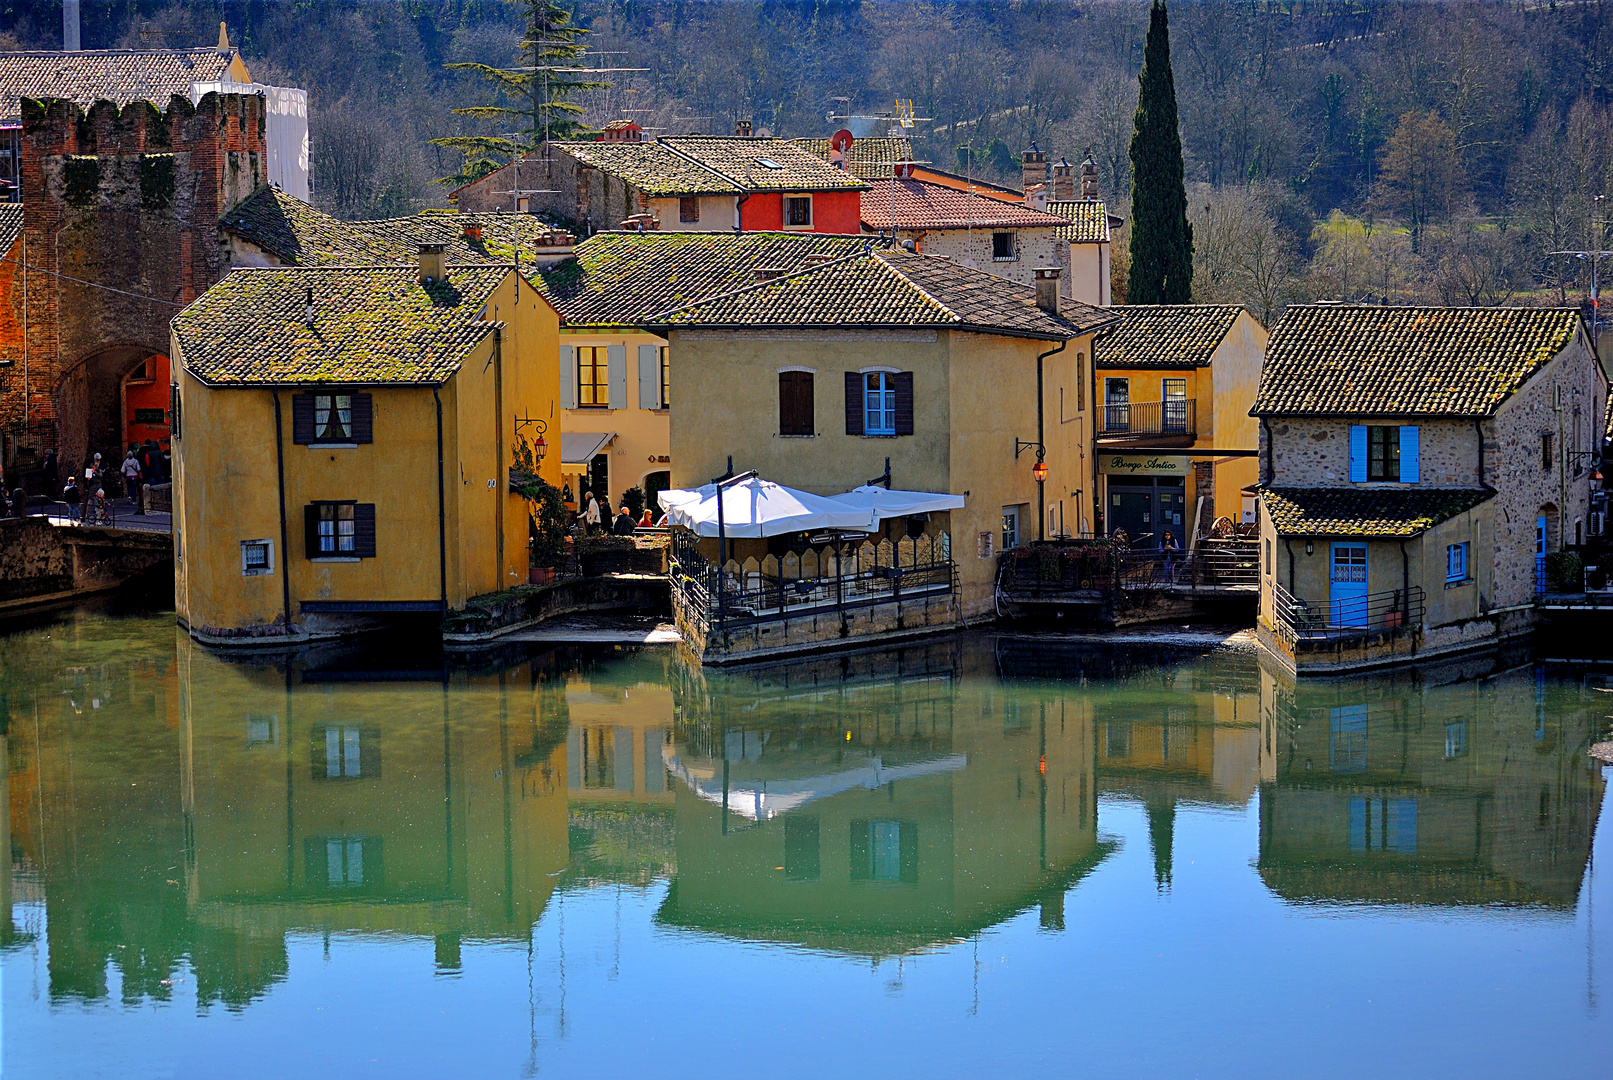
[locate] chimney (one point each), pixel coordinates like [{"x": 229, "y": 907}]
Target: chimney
[
  {"x": 473, "y": 230},
  {"x": 1033, "y": 168},
  {"x": 1064, "y": 181},
  {"x": 1089, "y": 179},
  {"x": 768, "y": 273},
  {"x": 433, "y": 264},
  {"x": 1047, "y": 289},
  {"x": 552, "y": 248},
  {"x": 742, "y": 128},
  {"x": 308, "y": 308},
  {"x": 69, "y": 25}
]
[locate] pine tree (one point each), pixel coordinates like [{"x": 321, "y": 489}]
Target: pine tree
[
  {"x": 1161, "y": 238},
  {"x": 536, "y": 95}
]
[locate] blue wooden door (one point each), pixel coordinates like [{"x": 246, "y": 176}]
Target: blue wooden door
[
  {"x": 1540, "y": 554},
  {"x": 1347, "y": 594}
]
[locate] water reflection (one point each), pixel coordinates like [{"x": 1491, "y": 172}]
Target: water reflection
[{"x": 170, "y": 810}]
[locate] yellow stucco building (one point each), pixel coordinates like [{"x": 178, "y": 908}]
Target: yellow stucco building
[
  {"x": 615, "y": 377},
  {"x": 343, "y": 440},
  {"x": 1175, "y": 382},
  {"x": 815, "y": 379}
]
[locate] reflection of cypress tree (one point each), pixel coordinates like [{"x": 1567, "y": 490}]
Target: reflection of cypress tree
[
  {"x": 1161, "y": 827},
  {"x": 1161, "y": 238}
]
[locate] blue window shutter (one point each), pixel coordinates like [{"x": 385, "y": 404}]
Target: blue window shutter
[
  {"x": 1358, "y": 454},
  {"x": 649, "y": 377},
  {"x": 1409, "y": 469},
  {"x": 616, "y": 357},
  {"x": 568, "y": 376}
]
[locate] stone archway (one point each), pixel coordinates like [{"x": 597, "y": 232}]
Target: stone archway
[{"x": 90, "y": 405}]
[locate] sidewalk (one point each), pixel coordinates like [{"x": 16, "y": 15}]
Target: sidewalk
[{"x": 123, "y": 517}]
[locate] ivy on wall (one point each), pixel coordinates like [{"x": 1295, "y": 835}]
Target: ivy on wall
[
  {"x": 81, "y": 180},
  {"x": 156, "y": 181}
]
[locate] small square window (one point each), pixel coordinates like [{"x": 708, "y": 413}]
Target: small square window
[
  {"x": 257, "y": 557},
  {"x": 798, "y": 212},
  {"x": 689, "y": 208},
  {"x": 1002, "y": 247}
]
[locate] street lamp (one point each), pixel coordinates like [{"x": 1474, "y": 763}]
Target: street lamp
[{"x": 1039, "y": 470}]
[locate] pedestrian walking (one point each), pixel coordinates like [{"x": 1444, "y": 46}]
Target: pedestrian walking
[
  {"x": 72, "y": 496},
  {"x": 590, "y": 516},
  {"x": 131, "y": 480}
]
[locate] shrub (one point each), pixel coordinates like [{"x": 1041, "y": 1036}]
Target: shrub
[
  {"x": 1565, "y": 571},
  {"x": 633, "y": 499}
]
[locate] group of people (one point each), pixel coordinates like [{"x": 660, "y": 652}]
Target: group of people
[{"x": 595, "y": 517}]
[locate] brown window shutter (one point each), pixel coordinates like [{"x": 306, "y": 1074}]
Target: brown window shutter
[
  {"x": 796, "y": 412},
  {"x": 363, "y": 419},
  {"x": 904, "y": 403},
  {"x": 173, "y": 410},
  {"x": 302, "y": 419},
  {"x": 854, "y": 403},
  {"x": 310, "y": 531},
  {"x": 364, "y": 530}
]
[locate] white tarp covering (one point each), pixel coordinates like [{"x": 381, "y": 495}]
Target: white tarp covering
[
  {"x": 889, "y": 504},
  {"x": 285, "y": 131},
  {"x": 757, "y": 507}
]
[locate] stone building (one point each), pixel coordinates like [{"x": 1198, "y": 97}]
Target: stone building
[
  {"x": 684, "y": 183},
  {"x": 1417, "y": 467}
]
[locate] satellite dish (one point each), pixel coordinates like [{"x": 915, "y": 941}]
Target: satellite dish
[{"x": 840, "y": 140}]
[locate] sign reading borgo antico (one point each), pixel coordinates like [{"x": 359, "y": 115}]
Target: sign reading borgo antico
[{"x": 1144, "y": 465}]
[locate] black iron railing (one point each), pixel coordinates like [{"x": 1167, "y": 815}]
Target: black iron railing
[
  {"x": 1174, "y": 416},
  {"x": 1352, "y": 617},
  {"x": 850, "y": 573}
]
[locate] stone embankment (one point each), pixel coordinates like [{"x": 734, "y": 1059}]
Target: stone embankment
[{"x": 46, "y": 565}]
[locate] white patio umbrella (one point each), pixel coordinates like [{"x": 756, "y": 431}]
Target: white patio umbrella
[
  {"x": 756, "y": 507},
  {"x": 889, "y": 504}
]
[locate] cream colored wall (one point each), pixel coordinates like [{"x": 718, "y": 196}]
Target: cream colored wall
[
  {"x": 974, "y": 394},
  {"x": 1235, "y": 378},
  {"x": 716, "y": 214},
  {"x": 641, "y": 434},
  {"x": 1087, "y": 278}
]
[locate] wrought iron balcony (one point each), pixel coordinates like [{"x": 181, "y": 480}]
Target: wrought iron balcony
[{"x": 1173, "y": 418}]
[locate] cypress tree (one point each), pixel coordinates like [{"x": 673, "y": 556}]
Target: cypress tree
[{"x": 1161, "y": 237}]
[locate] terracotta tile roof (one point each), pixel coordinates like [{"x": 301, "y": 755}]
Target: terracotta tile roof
[
  {"x": 745, "y": 160},
  {"x": 372, "y": 325},
  {"x": 1367, "y": 512},
  {"x": 873, "y": 158},
  {"x": 1355, "y": 360},
  {"x": 1090, "y": 218},
  {"x": 296, "y": 233},
  {"x": 651, "y": 167},
  {"x": 920, "y": 204},
  {"x": 621, "y": 278},
  {"x": 10, "y": 225},
  {"x": 890, "y": 289},
  {"x": 115, "y": 75},
  {"x": 1166, "y": 335}
]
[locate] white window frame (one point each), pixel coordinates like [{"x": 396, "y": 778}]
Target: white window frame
[
  {"x": 248, "y": 570},
  {"x": 784, "y": 213}
]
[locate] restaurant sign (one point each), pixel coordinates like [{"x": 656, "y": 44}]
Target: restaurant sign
[{"x": 1144, "y": 465}]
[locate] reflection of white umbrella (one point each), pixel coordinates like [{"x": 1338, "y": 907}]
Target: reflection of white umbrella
[
  {"x": 889, "y": 504},
  {"x": 763, "y": 800},
  {"x": 757, "y": 507}
]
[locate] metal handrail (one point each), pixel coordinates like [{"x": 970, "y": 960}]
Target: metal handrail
[
  {"x": 1359, "y": 616},
  {"x": 1173, "y": 416}
]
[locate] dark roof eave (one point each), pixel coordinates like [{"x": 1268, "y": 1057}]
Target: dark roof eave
[
  {"x": 1271, "y": 414},
  {"x": 657, "y": 328},
  {"x": 293, "y": 384}
]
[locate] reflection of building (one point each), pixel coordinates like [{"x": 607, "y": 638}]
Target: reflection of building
[
  {"x": 1387, "y": 791},
  {"x": 878, "y": 812}
]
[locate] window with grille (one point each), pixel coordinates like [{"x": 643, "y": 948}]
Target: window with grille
[
  {"x": 798, "y": 212},
  {"x": 257, "y": 557},
  {"x": 1002, "y": 247},
  {"x": 593, "y": 377},
  {"x": 333, "y": 417},
  {"x": 1547, "y": 457},
  {"x": 1383, "y": 453},
  {"x": 879, "y": 403}
]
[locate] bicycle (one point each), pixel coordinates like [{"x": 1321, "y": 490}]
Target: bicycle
[{"x": 98, "y": 511}]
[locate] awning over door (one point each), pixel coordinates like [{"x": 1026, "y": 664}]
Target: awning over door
[{"x": 581, "y": 447}]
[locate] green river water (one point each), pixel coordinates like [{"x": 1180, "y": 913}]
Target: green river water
[{"x": 982, "y": 856}]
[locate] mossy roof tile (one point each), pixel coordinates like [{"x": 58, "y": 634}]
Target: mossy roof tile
[
  {"x": 1166, "y": 335},
  {"x": 371, "y": 325},
  {"x": 1370, "y": 513}
]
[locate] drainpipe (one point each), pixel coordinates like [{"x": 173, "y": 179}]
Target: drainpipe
[
  {"x": 1271, "y": 453},
  {"x": 285, "y": 553},
  {"x": 498, "y": 444},
  {"x": 1405, "y": 585},
  {"x": 1098, "y": 490},
  {"x": 1478, "y": 427},
  {"x": 1289, "y": 545},
  {"x": 1041, "y": 446},
  {"x": 442, "y": 514}
]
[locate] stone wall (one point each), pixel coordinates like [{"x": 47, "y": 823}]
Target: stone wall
[
  {"x": 120, "y": 214},
  {"x": 583, "y": 199},
  {"x": 972, "y": 247},
  {"x": 1316, "y": 453}
]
